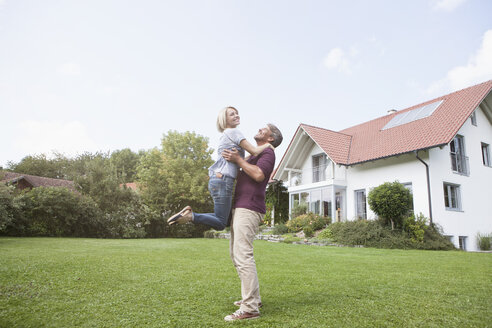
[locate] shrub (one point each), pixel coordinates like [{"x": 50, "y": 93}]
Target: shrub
[
  {"x": 391, "y": 201},
  {"x": 484, "y": 241},
  {"x": 415, "y": 226},
  {"x": 299, "y": 209},
  {"x": 325, "y": 234},
  {"x": 315, "y": 221},
  {"x": 377, "y": 234},
  {"x": 308, "y": 231},
  {"x": 280, "y": 229},
  {"x": 6, "y": 206}
]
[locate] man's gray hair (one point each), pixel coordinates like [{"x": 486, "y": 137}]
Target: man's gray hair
[{"x": 276, "y": 134}]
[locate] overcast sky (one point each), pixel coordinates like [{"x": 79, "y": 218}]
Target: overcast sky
[{"x": 102, "y": 75}]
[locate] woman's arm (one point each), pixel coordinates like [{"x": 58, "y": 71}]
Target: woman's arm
[
  {"x": 253, "y": 171},
  {"x": 254, "y": 150}
]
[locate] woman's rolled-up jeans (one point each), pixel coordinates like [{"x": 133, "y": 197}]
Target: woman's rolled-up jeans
[{"x": 221, "y": 191}]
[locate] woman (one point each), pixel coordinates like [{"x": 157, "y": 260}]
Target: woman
[{"x": 222, "y": 173}]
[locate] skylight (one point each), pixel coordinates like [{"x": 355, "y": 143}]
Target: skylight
[{"x": 413, "y": 115}]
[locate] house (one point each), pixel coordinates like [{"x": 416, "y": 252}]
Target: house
[
  {"x": 439, "y": 149},
  {"x": 26, "y": 181},
  {"x": 130, "y": 185}
]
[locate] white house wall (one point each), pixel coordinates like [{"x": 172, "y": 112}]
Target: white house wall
[
  {"x": 405, "y": 168},
  {"x": 476, "y": 205}
]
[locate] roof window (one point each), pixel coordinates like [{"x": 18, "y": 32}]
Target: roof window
[{"x": 413, "y": 115}]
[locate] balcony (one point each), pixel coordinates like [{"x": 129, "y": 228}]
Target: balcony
[
  {"x": 460, "y": 164},
  {"x": 311, "y": 175}
]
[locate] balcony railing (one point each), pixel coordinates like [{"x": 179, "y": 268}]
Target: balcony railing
[
  {"x": 311, "y": 175},
  {"x": 459, "y": 164}
]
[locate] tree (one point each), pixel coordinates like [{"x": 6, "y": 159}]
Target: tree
[
  {"x": 177, "y": 174},
  {"x": 6, "y": 206},
  {"x": 40, "y": 165},
  {"x": 277, "y": 198},
  {"x": 391, "y": 201},
  {"x": 125, "y": 163}
]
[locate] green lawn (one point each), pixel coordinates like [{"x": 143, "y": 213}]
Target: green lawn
[{"x": 60, "y": 282}]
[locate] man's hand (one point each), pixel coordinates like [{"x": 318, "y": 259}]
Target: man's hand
[{"x": 231, "y": 155}]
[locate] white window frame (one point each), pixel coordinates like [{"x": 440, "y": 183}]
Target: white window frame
[
  {"x": 319, "y": 172},
  {"x": 363, "y": 215},
  {"x": 473, "y": 118},
  {"x": 486, "y": 154},
  {"x": 448, "y": 188},
  {"x": 462, "y": 242}
]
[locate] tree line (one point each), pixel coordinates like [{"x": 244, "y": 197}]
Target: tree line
[{"x": 168, "y": 178}]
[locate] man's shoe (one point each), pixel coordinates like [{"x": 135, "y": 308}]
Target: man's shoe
[
  {"x": 238, "y": 303},
  {"x": 184, "y": 213},
  {"x": 242, "y": 315}
]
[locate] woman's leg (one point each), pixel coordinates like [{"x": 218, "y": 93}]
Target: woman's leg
[{"x": 221, "y": 191}]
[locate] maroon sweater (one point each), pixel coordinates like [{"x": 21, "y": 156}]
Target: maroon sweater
[{"x": 250, "y": 194}]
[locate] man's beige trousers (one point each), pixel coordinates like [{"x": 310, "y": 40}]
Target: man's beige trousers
[{"x": 244, "y": 227}]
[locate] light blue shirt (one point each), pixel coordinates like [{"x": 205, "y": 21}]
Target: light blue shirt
[{"x": 230, "y": 139}]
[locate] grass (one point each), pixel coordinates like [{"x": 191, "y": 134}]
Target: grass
[{"x": 64, "y": 282}]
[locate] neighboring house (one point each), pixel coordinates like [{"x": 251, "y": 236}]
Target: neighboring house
[
  {"x": 26, "y": 181},
  {"x": 440, "y": 150}
]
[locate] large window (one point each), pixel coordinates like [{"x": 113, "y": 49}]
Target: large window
[
  {"x": 315, "y": 201},
  {"x": 485, "y": 154},
  {"x": 319, "y": 167},
  {"x": 473, "y": 118},
  {"x": 462, "y": 242},
  {"x": 360, "y": 204},
  {"x": 459, "y": 162},
  {"x": 452, "y": 198}
]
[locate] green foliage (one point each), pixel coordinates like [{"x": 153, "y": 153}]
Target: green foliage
[
  {"x": 277, "y": 198},
  {"x": 484, "y": 241},
  {"x": 50, "y": 211},
  {"x": 7, "y": 208},
  {"x": 416, "y": 226},
  {"x": 210, "y": 233},
  {"x": 308, "y": 231},
  {"x": 289, "y": 239},
  {"x": 325, "y": 234},
  {"x": 316, "y": 222},
  {"x": 125, "y": 163},
  {"x": 377, "y": 234},
  {"x": 391, "y": 201},
  {"x": 40, "y": 165},
  {"x": 177, "y": 175},
  {"x": 280, "y": 229}
]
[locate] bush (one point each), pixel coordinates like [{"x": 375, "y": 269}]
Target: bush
[
  {"x": 325, "y": 234},
  {"x": 377, "y": 234},
  {"x": 415, "y": 227},
  {"x": 391, "y": 201},
  {"x": 7, "y": 209},
  {"x": 316, "y": 222},
  {"x": 308, "y": 231},
  {"x": 209, "y": 233},
  {"x": 484, "y": 241},
  {"x": 280, "y": 229}
]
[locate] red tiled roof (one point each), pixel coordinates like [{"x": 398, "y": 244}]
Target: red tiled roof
[
  {"x": 367, "y": 141},
  {"x": 130, "y": 185},
  {"x": 36, "y": 181}
]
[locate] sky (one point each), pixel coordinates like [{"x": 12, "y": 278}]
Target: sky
[{"x": 103, "y": 75}]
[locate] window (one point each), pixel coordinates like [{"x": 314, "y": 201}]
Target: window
[
  {"x": 485, "y": 154},
  {"x": 473, "y": 118},
  {"x": 452, "y": 198},
  {"x": 319, "y": 167},
  {"x": 459, "y": 162},
  {"x": 462, "y": 242},
  {"x": 360, "y": 204},
  {"x": 408, "y": 185}
]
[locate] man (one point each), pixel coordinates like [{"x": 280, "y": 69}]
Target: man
[{"x": 249, "y": 209}]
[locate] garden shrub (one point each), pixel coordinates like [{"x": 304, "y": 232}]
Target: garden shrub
[
  {"x": 209, "y": 233},
  {"x": 7, "y": 208},
  {"x": 415, "y": 226},
  {"x": 378, "y": 234},
  {"x": 325, "y": 234},
  {"x": 484, "y": 241},
  {"x": 280, "y": 229},
  {"x": 316, "y": 222},
  {"x": 391, "y": 201},
  {"x": 308, "y": 231}
]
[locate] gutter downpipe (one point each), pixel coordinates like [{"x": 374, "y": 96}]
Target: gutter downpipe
[{"x": 428, "y": 184}]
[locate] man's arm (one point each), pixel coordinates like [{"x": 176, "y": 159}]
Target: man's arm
[{"x": 253, "y": 171}]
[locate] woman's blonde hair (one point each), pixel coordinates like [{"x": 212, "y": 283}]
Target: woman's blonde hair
[{"x": 222, "y": 118}]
